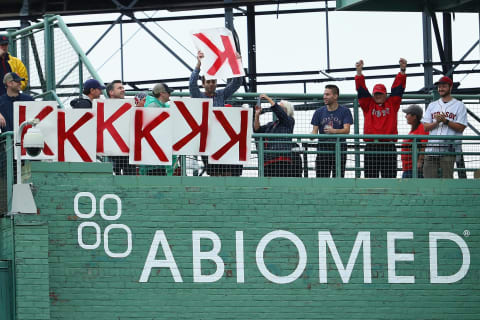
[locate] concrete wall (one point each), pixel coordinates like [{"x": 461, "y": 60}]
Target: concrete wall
[{"x": 283, "y": 268}]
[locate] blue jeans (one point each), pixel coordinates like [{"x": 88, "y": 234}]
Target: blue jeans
[{"x": 409, "y": 174}]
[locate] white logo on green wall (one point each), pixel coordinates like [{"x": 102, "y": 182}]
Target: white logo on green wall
[{"x": 325, "y": 239}]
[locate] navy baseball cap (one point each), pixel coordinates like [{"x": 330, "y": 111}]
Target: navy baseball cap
[
  {"x": 93, "y": 84},
  {"x": 12, "y": 76},
  {"x": 3, "y": 39}
]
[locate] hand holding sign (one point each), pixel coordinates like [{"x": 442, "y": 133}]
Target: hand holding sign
[{"x": 217, "y": 54}]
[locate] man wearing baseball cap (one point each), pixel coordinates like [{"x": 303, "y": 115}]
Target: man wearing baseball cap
[
  {"x": 9, "y": 63},
  {"x": 380, "y": 117},
  {"x": 13, "y": 83},
  {"x": 219, "y": 97},
  {"x": 161, "y": 97},
  {"x": 445, "y": 116},
  {"x": 92, "y": 89}
]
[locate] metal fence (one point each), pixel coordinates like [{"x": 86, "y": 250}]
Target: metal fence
[
  {"x": 6, "y": 171},
  {"x": 334, "y": 156},
  {"x": 56, "y": 64}
]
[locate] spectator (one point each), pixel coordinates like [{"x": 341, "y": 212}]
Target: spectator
[
  {"x": 380, "y": 116},
  {"x": 92, "y": 89},
  {"x": 140, "y": 99},
  {"x": 413, "y": 114},
  {"x": 444, "y": 117},
  {"x": 13, "y": 83},
  {"x": 121, "y": 166},
  {"x": 115, "y": 90},
  {"x": 331, "y": 119},
  {"x": 219, "y": 97},
  {"x": 161, "y": 97},
  {"x": 9, "y": 63},
  {"x": 287, "y": 164}
]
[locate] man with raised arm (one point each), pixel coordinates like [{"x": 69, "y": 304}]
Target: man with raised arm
[
  {"x": 219, "y": 97},
  {"x": 210, "y": 86},
  {"x": 380, "y": 117},
  {"x": 446, "y": 116}
]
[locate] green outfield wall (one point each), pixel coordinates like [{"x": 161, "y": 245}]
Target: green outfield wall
[{"x": 109, "y": 247}]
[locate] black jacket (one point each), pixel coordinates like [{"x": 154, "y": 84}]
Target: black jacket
[{"x": 81, "y": 103}]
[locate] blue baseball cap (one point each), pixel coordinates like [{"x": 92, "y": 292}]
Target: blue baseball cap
[
  {"x": 12, "y": 76},
  {"x": 3, "y": 39},
  {"x": 93, "y": 84}
]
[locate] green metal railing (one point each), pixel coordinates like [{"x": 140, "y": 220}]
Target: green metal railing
[
  {"x": 355, "y": 145},
  {"x": 7, "y": 174},
  {"x": 47, "y": 26}
]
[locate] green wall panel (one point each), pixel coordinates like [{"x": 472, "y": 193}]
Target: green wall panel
[{"x": 298, "y": 277}]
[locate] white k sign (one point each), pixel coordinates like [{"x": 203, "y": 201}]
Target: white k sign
[{"x": 221, "y": 60}]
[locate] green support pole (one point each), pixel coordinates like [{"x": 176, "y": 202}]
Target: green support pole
[
  {"x": 260, "y": 157},
  {"x": 338, "y": 159},
  {"x": 414, "y": 158},
  {"x": 12, "y": 48},
  {"x": 356, "y": 130},
  {"x": 183, "y": 164},
  {"x": 9, "y": 147},
  {"x": 49, "y": 53},
  {"x": 80, "y": 74}
]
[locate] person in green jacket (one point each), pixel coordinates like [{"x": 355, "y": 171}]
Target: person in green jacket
[{"x": 161, "y": 96}]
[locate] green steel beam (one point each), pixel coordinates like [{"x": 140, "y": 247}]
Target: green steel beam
[
  {"x": 13, "y": 43},
  {"x": 408, "y": 5},
  {"x": 9, "y": 147},
  {"x": 40, "y": 25},
  {"x": 49, "y": 53}
]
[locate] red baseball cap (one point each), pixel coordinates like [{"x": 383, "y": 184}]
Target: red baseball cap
[
  {"x": 379, "y": 88},
  {"x": 446, "y": 80}
]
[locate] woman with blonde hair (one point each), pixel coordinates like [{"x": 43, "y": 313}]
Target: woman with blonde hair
[{"x": 287, "y": 163}]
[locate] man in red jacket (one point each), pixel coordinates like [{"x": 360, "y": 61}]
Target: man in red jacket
[{"x": 380, "y": 117}]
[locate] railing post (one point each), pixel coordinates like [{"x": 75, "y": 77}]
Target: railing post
[
  {"x": 183, "y": 165},
  {"x": 80, "y": 75},
  {"x": 338, "y": 158},
  {"x": 358, "y": 170},
  {"x": 9, "y": 147},
  {"x": 12, "y": 48},
  {"x": 414, "y": 157},
  {"x": 49, "y": 53},
  {"x": 260, "y": 157}
]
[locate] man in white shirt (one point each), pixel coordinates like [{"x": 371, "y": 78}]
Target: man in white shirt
[{"x": 447, "y": 117}]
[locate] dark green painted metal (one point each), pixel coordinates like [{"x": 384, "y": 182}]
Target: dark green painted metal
[
  {"x": 12, "y": 48},
  {"x": 6, "y": 299},
  {"x": 356, "y": 127},
  {"x": 260, "y": 157},
  {"x": 408, "y": 5},
  {"x": 10, "y": 174},
  {"x": 49, "y": 53}
]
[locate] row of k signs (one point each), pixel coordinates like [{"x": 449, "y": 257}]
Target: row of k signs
[{"x": 114, "y": 127}]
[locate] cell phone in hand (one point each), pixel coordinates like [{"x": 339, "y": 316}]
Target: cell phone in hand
[{"x": 259, "y": 102}]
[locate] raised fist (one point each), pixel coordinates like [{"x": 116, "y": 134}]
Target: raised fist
[{"x": 359, "y": 65}]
